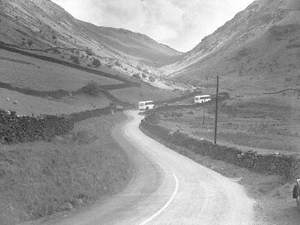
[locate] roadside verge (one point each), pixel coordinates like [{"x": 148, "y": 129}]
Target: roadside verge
[{"x": 287, "y": 166}]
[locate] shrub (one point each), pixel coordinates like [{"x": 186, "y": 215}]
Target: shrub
[
  {"x": 89, "y": 51},
  {"x": 75, "y": 59},
  {"x": 151, "y": 79},
  {"x": 29, "y": 42},
  {"x": 117, "y": 63},
  {"x": 92, "y": 89},
  {"x": 136, "y": 75},
  {"x": 96, "y": 62}
]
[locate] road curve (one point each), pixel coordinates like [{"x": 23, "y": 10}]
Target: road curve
[{"x": 166, "y": 189}]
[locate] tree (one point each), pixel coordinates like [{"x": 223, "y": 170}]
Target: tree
[
  {"x": 151, "y": 79},
  {"x": 136, "y": 75},
  {"x": 29, "y": 42},
  {"x": 75, "y": 59},
  {"x": 96, "y": 62},
  {"x": 91, "y": 89},
  {"x": 89, "y": 51}
]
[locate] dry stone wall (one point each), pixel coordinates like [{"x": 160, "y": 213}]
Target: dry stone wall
[
  {"x": 19, "y": 129},
  {"x": 287, "y": 166}
]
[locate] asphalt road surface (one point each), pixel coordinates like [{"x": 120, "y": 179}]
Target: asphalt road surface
[{"x": 167, "y": 189}]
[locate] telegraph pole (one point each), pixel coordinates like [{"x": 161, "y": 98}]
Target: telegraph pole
[
  {"x": 216, "y": 112},
  {"x": 203, "y": 116}
]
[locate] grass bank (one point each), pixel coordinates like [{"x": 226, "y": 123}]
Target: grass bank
[{"x": 42, "y": 178}]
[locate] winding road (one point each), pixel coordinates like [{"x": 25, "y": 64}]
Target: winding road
[{"x": 167, "y": 189}]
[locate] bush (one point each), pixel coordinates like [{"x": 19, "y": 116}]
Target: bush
[
  {"x": 96, "y": 62},
  {"x": 30, "y": 43},
  {"x": 117, "y": 63},
  {"x": 151, "y": 79},
  {"x": 137, "y": 76},
  {"x": 92, "y": 89},
  {"x": 75, "y": 59},
  {"x": 89, "y": 51}
]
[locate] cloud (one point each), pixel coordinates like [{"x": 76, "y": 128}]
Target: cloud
[{"x": 179, "y": 23}]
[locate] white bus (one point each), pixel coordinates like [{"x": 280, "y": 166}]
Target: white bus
[
  {"x": 202, "y": 99},
  {"x": 146, "y": 105}
]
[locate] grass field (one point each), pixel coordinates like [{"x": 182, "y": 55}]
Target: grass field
[
  {"x": 42, "y": 178},
  {"x": 40, "y": 75},
  {"x": 27, "y": 105},
  {"x": 23, "y": 71},
  {"x": 145, "y": 92},
  {"x": 264, "y": 124}
]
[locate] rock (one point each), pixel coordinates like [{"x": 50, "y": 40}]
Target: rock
[
  {"x": 67, "y": 206},
  {"x": 77, "y": 202}
]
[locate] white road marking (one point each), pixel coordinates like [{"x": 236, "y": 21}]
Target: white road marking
[{"x": 166, "y": 205}]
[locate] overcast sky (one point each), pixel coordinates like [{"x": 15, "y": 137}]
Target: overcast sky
[{"x": 180, "y": 24}]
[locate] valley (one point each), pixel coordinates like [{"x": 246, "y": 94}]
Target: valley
[
  {"x": 54, "y": 66},
  {"x": 67, "y": 172}
]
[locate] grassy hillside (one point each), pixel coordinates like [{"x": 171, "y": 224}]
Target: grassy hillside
[
  {"x": 145, "y": 92},
  {"x": 44, "y": 27},
  {"x": 138, "y": 46},
  {"x": 255, "y": 52},
  {"x": 27, "y": 105},
  {"x": 31, "y": 85},
  {"x": 28, "y": 72}
]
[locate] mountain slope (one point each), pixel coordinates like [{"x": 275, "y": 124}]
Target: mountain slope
[
  {"x": 134, "y": 45},
  {"x": 259, "y": 49},
  {"x": 41, "y": 24}
]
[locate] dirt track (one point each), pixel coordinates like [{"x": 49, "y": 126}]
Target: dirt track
[{"x": 167, "y": 188}]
